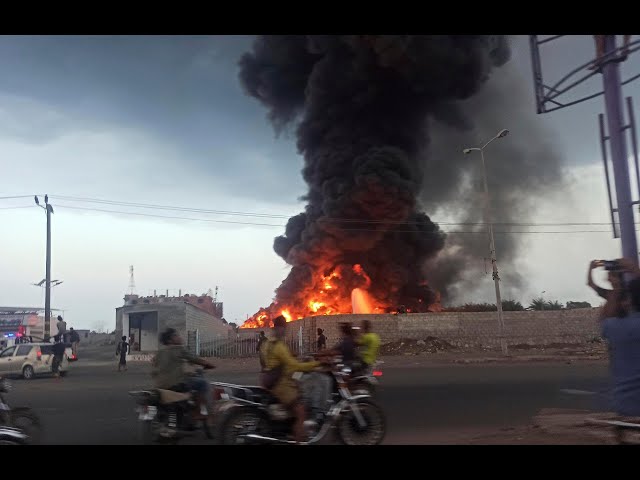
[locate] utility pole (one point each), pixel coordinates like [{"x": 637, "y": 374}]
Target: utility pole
[
  {"x": 619, "y": 160},
  {"x": 487, "y": 216},
  {"x": 47, "y": 295}
]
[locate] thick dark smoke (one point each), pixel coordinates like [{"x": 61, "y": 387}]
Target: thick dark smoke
[
  {"x": 521, "y": 169},
  {"x": 365, "y": 108}
]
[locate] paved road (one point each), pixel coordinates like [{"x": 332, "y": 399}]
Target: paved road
[{"x": 91, "y": 405}]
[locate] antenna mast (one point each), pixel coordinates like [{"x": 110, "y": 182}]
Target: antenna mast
[{"x": 132, "y": 282}]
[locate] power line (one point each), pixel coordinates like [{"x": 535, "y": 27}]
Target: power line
[
  {"x": 16, "y": 196},
  {"x": 343, "y": 229},
  {"x": 346, "y": 220},
  {"x": 21, "y": 206},
  {"x": 328, "y": 220},
  {"x": 168, "y": 217}
]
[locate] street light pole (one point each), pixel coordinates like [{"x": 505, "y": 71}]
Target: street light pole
[
  {"x": 492, "y": 245},
  {"x": 47, "y": 296}
]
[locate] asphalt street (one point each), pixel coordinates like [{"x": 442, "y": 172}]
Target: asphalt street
[{"x": 91, "y": 404}]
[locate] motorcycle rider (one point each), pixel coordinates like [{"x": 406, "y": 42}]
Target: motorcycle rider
[
  {"x": 168, "y": 370},
  {"x": 346, "y": 348},
  {"x": 276, "y": 354},
  {"x": 370, "y": 343}
]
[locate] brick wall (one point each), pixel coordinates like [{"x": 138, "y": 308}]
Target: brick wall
[
  {"x": 477, "y": 328},
  {"x": 207, "y": 324}
]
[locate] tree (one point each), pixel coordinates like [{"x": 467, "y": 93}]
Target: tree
[
  {"x": 540, "y": 304},
  {"x": 512, "y": 306},
  {"x": 572, "y": 305},
  {"x": 537, "y": 304},
  {"x": 555, "y": 305},
  {"x": 507, "y": 306}
]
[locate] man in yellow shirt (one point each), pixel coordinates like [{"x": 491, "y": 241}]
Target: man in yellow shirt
[
  {"x": 277, "y": 355},
  {"x": 370, "y": 343}
]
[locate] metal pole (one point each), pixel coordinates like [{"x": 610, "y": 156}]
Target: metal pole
[
  {"x": 494, "y": 261},
  {"x": 615, "y": 120},
  {"x": 47, "y": 297}
]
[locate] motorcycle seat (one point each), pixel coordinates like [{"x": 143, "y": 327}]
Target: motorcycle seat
[{"x": 170, "y": 396}]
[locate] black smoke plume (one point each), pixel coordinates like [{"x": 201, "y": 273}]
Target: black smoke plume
[{"x": 364, "y": 107}]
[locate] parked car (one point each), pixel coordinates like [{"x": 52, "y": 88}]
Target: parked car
[{"x": 31, "y": 359}]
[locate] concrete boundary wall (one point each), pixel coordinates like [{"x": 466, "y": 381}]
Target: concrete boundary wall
[{"x": 474, "y": 328}]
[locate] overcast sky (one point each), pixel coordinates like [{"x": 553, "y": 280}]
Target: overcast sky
[{"x": 163, "y": 120}]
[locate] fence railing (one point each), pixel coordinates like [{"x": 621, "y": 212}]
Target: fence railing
[{"x": 238, "y": 345}]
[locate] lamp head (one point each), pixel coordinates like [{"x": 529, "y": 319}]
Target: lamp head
[
  {"x": 466, "y": 151},
  {"x": 503, "y": 133}
]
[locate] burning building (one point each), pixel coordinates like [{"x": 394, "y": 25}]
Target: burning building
[{"x": 361, "y": 105}]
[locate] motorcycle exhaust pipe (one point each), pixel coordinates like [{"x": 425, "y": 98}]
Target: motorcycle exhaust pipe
[{"x": 260, "y": 438}]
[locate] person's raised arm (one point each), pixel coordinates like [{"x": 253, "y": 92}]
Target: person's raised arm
[{"x": 291, "y": 363}]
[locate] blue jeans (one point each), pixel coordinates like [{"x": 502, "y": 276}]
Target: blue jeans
[{"x": 201, "y": 386}]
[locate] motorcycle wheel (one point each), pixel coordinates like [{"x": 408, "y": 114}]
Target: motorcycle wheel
[
  {"x": 363, "y": 388},
  {"x": 147, "y": 432},
  {"x": 206, "y": 430},
  {"x": 27, "y": 421},
  {"x": 351, "y": 433},
  {"x": 240, "y": 422}
]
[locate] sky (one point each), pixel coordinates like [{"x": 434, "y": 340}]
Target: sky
[{"x": 163, "y": 120}]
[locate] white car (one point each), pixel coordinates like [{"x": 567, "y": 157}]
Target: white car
[{"x": 31, "y": 359}]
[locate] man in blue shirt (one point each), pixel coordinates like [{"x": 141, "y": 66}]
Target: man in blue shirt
[{"x": 623, "y": 335}]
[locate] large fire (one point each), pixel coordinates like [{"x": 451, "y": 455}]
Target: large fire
[{"x": 340, "y": 292}]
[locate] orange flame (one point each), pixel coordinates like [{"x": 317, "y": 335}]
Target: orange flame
[
  {"x": 343, "y": 290},
  {"x": 360, "y": 301}
]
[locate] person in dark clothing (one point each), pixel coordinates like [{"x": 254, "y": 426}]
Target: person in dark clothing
[
  {"x": 122, "y": 350},
  {"x": 623, "y": 337},
  {"x": 261, "y": 339},
  {"x": 347, "y": 347},
  {"x": 322, "y": 340},
  {"x": 58, "y": 354},
  {"x": 75, "y": 339},
  {"x": 616, "y": 298}
]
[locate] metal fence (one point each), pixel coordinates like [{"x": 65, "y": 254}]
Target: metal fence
[{"x": 237, "y": 345}]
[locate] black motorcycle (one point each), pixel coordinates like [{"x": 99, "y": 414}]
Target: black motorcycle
[
  {"x": 13, "y": 436},
  {"x": 18, "y": 422},
  {"x": 166, "y": 416},
  {"x": 366, "y": 382},
  {"x": 252, "y": 415}
]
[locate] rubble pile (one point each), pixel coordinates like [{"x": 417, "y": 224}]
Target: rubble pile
[{"x": 416, "y": 347}]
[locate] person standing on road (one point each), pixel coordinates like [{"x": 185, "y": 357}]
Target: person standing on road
[
  {"x": 615, "y": 305},
  {"x": 623, "y": 335},
  {"x": 322, "y": 340},
  {"x": 261, "y": 339},
  {"x": 58, "y": 354},
  {"x": 122, "y": 349},
  {"x": 62, "y": 327},
  {"x": 75, "y": 339}
]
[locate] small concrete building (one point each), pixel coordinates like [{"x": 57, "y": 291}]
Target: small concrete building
[{"x": 142, "y": 319}]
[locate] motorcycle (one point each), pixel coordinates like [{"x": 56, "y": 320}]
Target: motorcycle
[
  {"x": 18, "y": 422},
  {"x": 165, "y": 416},
  {"x": 12, "y": 436},
  {"x": 367, "y": 382},
  {"x": 252, "y": 415}
]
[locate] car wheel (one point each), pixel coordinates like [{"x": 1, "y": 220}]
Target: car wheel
[{"x": 28, "y": 373}]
